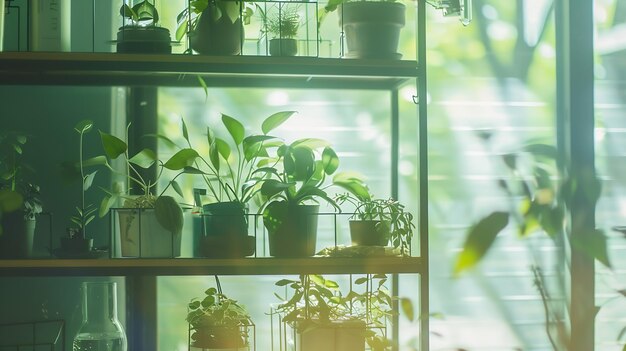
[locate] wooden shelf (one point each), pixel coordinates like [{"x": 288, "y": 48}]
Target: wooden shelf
[
  {"x": 112, "y": 69},
  {"x": 200, "y": 266}
]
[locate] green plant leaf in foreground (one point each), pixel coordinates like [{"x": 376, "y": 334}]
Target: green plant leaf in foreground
[
  {"x": 480, "y": 237},
  {"x": 275, "y": 120},
  {"x": 593, "y": 244},
  {"x": 407, "y": 308},
  {"x": 144, "y": 158},
  {"x": 181, "y": 159},
  {"x": 169, "y": 214},
  {"x": 113, "y": 146},
  {"x": 10, "y": 200}
]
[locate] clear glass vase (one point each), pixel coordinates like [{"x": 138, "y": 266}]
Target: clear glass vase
[{"x": 100, "y": 330}]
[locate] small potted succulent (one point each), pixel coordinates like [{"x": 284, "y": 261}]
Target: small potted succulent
[
  {"x": 281, "y": 28},
  {"x": 217, "y": 322},
  {"x": 140, "y": 32},
  {"x": 150, "y": 225},
  {"x": 19, "y": 199},
  {"x": 377, "y": 221}
]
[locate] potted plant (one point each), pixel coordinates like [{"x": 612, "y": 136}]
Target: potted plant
[
  {"x": 19, "y": 200},
  {"x": 282, "y": 27},
  {"x": 217, "y": 322},
  {"x": 214, "y": 27},
  {"x": 377, "y": 221},
  {"x": 150, "y": 225},
  {"x": 232, "y": 177},
  {"x": 77, "y": 243},
  {"x": 291, "y": 207},
  {"x": 141, "y": 34},
  {"x": 323, "y": 318},
  {"x": 372, "y": 28}
]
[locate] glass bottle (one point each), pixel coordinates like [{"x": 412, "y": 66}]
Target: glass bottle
[{"x": 100, "y": 330}]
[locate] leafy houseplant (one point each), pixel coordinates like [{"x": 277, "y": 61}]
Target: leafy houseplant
[
  {"x": 141, "y": 34},
  {"x": 282, "y": 27},
  {"x": 217, "y": 322},
  {"x": 19, "y": 199},
  {"x": 214, "y": 27},
  {"x": 157, "y": 230},
  {"x": 232, "y": 176},
  {"x": 290, "y": 211},
  {"x": 326, "y": 319},
  {"x": 378, "y": 221}
]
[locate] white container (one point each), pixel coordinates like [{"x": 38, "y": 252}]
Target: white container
[
  {"x": 139, "y": 234},
  {"x": 50, "y": 25}
]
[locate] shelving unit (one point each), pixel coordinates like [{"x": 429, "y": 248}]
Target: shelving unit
[
  {"x": 141, "y": 71},
  {"x": 206, "y": 266}
]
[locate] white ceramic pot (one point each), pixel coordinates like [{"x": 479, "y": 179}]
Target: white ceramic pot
[{"x": 139, "y": 234}]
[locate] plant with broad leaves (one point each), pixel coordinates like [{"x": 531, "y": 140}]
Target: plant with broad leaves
[
  {"x": 141, "y": 14},
  {"x": 16, "y": 193},
  {"x": 231, "y": 170},
  {"x": 388, "y": 212},
  {"x": 538, "y": 204},
  {"x": 168, "y": 211},
  {"x": 217, "y": 321},
  {"x": 189, "y": 17}
]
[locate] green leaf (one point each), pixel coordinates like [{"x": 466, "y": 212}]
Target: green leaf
[
  {"x": 106, "y": 204},
  {"x": 113, "y": 146},
  {"x": 593, "y": 244},
  {"x": 95, "y": 161},
  {"x": 185, "y": 132},
  {"x": 544, "y": 150},
  {"x": 192, "y": 170},
  {"x": 317, "y": 279},
  {"x": 83, "y": 126},
  {"x": 181, "y": 30},
  {"x": 235, "y": 128},
  {"x": 167, "y": 140},
  {"x": 10, "y": 200},
  {"x": 272, "y": 187},
  {"x": 88, "y": 180},
  {"x": 223, "y": 148},
  {"x": 479, "y": 239},
  {"x": 181, "y": 159},
  {"x": 275, "y": 120},
  {"x": 300, "y": 163},
  {"x": 407, "y": 308},
  {"x": 330, "y": 160},
  {"x": 284, "y": 282},
  {"x": 310, "y": 143},
  {"x": 169, "y": 214},
  {"x": 144, "y": 158},
  {"x": 177, "y": 188},
  {"x": 360, "y": 281}
]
